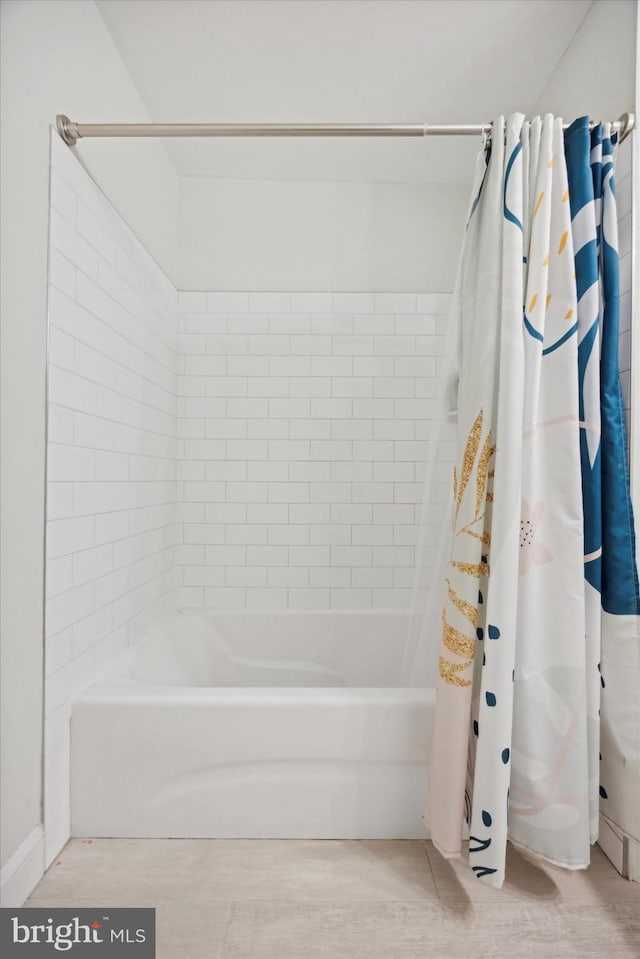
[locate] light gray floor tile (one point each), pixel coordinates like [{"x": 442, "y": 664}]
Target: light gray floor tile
[
  {"x": 306, "y": 899},
  {"x": 321, "y": 869},
  {"x": 228, "y": 870},
  {"x": 131, "y": 869},
  {"x": 190, "y": 930},
  {"x": 428, "y": 931},
  {"x": 177, "y": 856}
]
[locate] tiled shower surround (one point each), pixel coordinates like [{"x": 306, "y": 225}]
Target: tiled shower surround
[
  {"x": 303, "y": 421},
  {"x": 111, "y": 455},
  {"x": 230, "y": 450}
]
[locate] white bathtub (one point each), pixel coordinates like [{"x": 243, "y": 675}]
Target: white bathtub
[{"x": 267, "y": 726}]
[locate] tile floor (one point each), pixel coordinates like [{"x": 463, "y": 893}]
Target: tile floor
[{"x": 317, "y": 899}]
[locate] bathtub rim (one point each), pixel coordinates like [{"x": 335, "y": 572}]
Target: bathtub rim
[{"x": 111, "y": 693}]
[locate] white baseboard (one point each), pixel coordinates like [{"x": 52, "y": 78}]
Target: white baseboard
[
  {"x": 23, "y": 871},
  {"x": 622, "y": 850}
]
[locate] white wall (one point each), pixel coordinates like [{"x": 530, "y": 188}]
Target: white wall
[
  {"x": 111, "y": 454},
  {"x": 56, "y": 56},
  {"x": 249, "y": 234},
  {"x": 596, "y": 75},
  {"x": 304, "y": 421},
  {"x": 297, "y": 235},
  {"x": 305, "y": 235}
]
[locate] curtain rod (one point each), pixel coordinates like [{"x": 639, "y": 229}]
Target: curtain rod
[{"x": 71, "y": 131}]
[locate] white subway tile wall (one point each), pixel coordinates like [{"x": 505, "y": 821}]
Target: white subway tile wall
[
  {"x": 231, "y": 450},
  {"x": 303, "y": 424},
  {"x": 111, "y": 455},
  {"x": 625, "y": 203}
]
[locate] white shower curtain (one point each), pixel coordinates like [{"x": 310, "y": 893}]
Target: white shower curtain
[{"x": 511, "y": 734}]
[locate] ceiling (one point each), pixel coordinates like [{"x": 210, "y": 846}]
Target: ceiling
[{"x": 438, "y": 61}]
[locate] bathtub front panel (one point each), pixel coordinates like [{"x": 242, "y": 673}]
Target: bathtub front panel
[{"x": 262, "y": 763}]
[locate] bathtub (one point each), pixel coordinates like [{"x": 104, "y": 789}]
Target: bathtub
[{"x": 277, "y": 725}]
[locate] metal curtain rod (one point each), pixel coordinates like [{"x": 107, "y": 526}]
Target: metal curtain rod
[{"x": 71, "y": 131}]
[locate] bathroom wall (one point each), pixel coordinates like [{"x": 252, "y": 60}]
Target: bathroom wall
[
  {"x": 596, "y": 75},
  {"x": 56, "y": 55},
  {"x": 111, "y": 455},
  {"x": 304, "y": 420},
  {"x": 309, "y": 235}
]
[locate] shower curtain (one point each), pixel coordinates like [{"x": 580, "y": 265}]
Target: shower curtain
[{"x": 516, "y": 734}]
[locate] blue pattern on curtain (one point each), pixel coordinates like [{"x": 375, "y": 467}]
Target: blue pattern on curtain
[
  {"x": 620, "y": 592},
  {"x": 608, "y": 512},
  {"x": 582, "y": 202}
]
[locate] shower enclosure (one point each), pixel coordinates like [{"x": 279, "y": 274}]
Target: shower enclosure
[
  {"x": 256, "y": 460},
  {"x": 235, "y": 482}
]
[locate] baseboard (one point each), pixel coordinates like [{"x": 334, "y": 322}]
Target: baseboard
[
  {"x": 621, "y": 849},
  {"x": 23, "y": 871}
]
